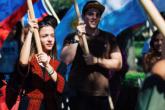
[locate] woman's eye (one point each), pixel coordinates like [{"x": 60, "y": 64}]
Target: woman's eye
[
  {"x": 52, "y": 35},
  {"x": 44, "y": 36}
]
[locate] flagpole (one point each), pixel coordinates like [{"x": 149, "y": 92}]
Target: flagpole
[
  {"x": 52, "y": 10},
  {"x": 154, "y": 15},
  {"x": 85, "y": 44},
  {"x": 36, "y": 34}
]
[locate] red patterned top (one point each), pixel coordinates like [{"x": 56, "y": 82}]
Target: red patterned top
[{"x": 39, "y": 84}]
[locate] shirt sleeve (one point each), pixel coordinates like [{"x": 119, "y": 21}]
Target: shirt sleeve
[
  {"x": 69, "y": 39},
  {"x": 60, "y": 83}
]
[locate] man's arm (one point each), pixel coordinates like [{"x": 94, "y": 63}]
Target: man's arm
[
  {"x": 158, "y": 69},
  {"x": 69, "y": 50},
  {"x": 114, "y": 63}
]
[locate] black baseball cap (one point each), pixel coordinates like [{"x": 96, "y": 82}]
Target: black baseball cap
[{"x": 93, "y": 4}]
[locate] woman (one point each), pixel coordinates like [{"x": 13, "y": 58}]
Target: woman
[
  {"x": 151, "y": 95},
  {"x": 155, "y": 53},
  {"x": 42, "y": 82}
]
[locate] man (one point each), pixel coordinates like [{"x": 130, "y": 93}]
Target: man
[{"x": 88, "y": 78}]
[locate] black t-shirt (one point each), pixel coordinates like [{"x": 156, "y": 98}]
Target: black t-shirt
[{"x": 92, "y": 79}]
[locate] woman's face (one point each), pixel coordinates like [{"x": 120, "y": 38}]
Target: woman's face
[
  {"x": 47, "y": 38},
  {"x": 158, "y": 43}
]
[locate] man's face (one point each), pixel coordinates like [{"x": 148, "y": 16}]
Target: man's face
[{"x": 92, "y": 18}]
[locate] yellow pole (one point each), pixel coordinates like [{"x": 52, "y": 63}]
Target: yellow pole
[
  {"x": 36, "y": 34},
  {"x": 85, "y": 44},
  {"x": 154, "y": 15}
]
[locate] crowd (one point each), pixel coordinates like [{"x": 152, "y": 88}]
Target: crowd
[{"x": 37, "y": 81}]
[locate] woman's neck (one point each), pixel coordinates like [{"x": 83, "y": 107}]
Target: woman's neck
[
  {"x": 158, "y": 54},
  {"x": 47, "y": 52}
]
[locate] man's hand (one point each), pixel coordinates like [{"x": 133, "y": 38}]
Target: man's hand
[
  {"x": 90, "y": 59},
  {"x": 81, "y": 29}
]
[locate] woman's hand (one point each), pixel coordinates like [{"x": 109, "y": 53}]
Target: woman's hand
[
  {"x": 33, "y": 25},
  {"x": 43, "y": 58}
]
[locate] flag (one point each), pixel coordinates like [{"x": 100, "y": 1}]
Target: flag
[
  {"x": 11, "y": 12},
  {"x": 121, "y": 14},
  {"x": 40, "y": 11},
  {"x": 9, "y": 52},
  {"x": 66, "y": 25},
  {"x": 118, "y": 15}
]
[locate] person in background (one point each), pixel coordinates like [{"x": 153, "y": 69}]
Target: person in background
[
  {"x": 9, "y": 53},
  {"x": 2, "y": 83},
  {"x": 151, "y": 95},
  {"x": 9, "y": 58},
  {"x": 42, "y": 81},
  {"x": 89, "y": 74},
  {"x": 156, "y": 52},
  {"x": 2, "y": 92}
]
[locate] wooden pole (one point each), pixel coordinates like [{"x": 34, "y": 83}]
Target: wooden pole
[
  {"x": 154, "y": 15},
  {"x": 77, "y": 11},
  {"x": 85, "y": 44},
  {"x": 36, "y": 34}
]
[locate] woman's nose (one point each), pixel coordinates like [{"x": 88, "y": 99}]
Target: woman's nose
[
  {"x": 50, "y": 38},
  {"x": 160, "y": 42}
]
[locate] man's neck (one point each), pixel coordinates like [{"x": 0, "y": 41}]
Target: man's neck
[{"x": 92, "y": 31}]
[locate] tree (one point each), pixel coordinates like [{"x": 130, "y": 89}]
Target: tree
[{"x": 61, "y": 5}]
